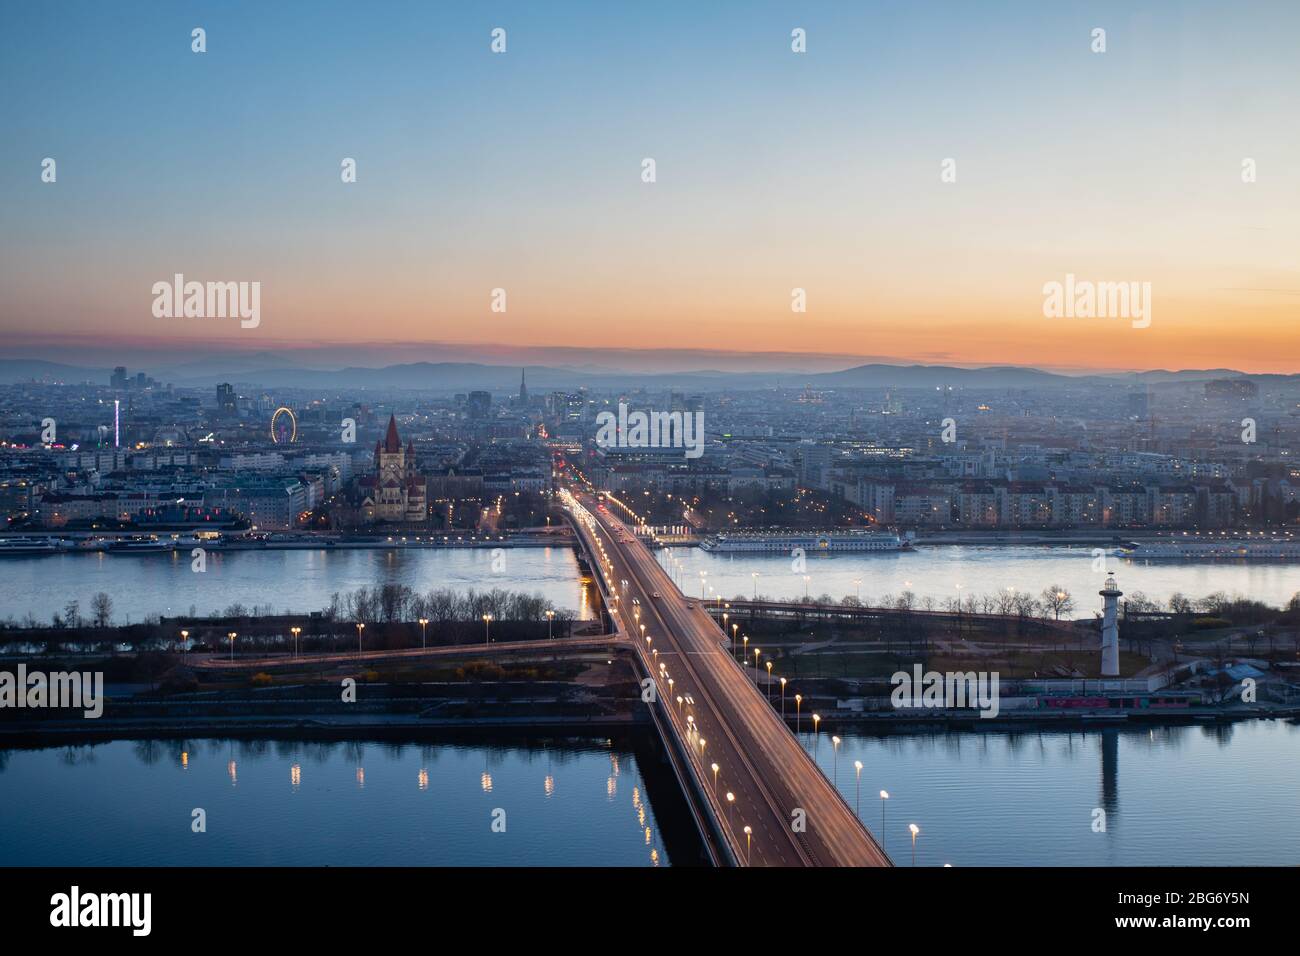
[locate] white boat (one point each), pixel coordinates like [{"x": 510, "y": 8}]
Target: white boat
[
  {"x": 1208, "y": 549},
  {"x": 142, "y": 545},
  {"x": 838, "y": 541},
  {"x": 25, "y": 547}
]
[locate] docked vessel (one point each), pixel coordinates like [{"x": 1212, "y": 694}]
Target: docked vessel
[
  {"x": 838, "y": 541},
  {"x": 25, "y": 547},
  {"x": 1193, "y": 549},
  {"x": 143, "y": 544}
]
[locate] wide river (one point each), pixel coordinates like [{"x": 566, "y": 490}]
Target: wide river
[
  {"x": 301, "y": 581},
  {"x": 1180, "y": 795}
]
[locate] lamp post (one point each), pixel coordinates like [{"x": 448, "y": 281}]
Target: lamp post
[
  {"x": 734, "y": 629},
  {"x": 798, "y": 700},
  {"x": 424, "y": 625},
  {"x": 360, "y": 627},
  {"x": 550, "y": 616},
  {"x": 744, "y": 655},
  {"x": 857, "y": 802},
  {"x": 749, "y": 835},
  {"x": 782, "y": 700},
  {"x": 915, "y": 830},
  {"x": 487, "y": 629},
  {"x": 835, "y": 762},
  {"x": 232, "y": 636},
  {"x": 185, "y": 640},
  {"x": 769, "y": 680},
  {"x": 715, "y": 778},
  {"x": 295, "y": 631},
  {"x": 816, "y": 734},
  {"x": 754, "y": 575},
  {"x": 884, "y": 795},
  {"x": 731, "y": 805},
  {"x": 757, "y": 654}
]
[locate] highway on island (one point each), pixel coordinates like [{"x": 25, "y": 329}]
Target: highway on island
[{"x": 795, "y": 816}]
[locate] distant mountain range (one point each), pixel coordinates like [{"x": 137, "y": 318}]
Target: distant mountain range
[{"x": 267, "y": 370}]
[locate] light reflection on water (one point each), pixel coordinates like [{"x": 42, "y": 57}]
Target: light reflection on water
[
  {"x": 325, "y": 803},
  {"x": 1177, "y": 795}
]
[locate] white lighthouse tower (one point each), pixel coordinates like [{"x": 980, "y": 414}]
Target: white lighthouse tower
[{"x": 1110, "y": 628}]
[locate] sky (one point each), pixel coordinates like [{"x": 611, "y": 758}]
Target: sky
[{"x": 774, "y": 171}]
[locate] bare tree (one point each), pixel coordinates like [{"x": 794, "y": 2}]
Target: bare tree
[{"x": 101, "y": 609}]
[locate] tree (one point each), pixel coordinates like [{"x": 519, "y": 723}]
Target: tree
[
  {"x": 101, "y": 609},
  {"x": 1057, "y": 600}
]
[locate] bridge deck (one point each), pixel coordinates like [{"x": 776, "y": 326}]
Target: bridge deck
[{"x": 794, "y": 815}]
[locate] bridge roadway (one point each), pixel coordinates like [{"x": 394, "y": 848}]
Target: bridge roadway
[{"x": 759, "y": 760}]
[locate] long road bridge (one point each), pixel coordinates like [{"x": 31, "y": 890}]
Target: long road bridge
[{"x": 757, "y": 796}]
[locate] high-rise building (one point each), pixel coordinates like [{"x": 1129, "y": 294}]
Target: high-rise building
[
  {"x": 226, "y": 407},
  {"x": 479, "y": 404},
  {"x": 119, "y": 377}
]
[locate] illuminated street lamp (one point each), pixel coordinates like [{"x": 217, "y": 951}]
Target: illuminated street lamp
[
  {"x": 817, "y": 719},
  {"x": 769, "y": 679},
  {"x": 487, "y": 628},
  {"x": 798, "y": 700},
  {"x": 295, "y": 631},
  {"x": 185, "y": 640},
  {"x": 782, "y": 700},
  {"x": 857, "y": 766},
  {"x": 915, "y": 830},
  {"x": 757, "y": 653},
  {"x": 715, "y": 778},
  {"x": 424, "y": 624},
  {"x": 884, "y": 795},
  {"x": 734, "y": 629},
  {"x": 749, "y": 835},
  {"x": 232, "y": 636},
  {"x": 360, "y": 627},
  {"x": 550, "y": 616},
  {"x": 744, "y": 659},
  {"x": 835, "y": 762},
  {"x": 731, "y": 805}
]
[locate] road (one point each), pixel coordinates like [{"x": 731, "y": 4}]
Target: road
[{"x": 728, "y": 722}]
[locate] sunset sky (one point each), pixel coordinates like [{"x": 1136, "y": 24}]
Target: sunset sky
[{"x": 775, "y": 170}]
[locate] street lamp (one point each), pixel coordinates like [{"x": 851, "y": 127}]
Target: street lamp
[
  {"x": 424, "y": 624},
  {"x": 857, "y": 766},
  {"x": 884, "y": 795},
  {"x": 360, "y": 627},
  {"x": 185, "y": 640},
  {"x": 757, "y": 653},
  {"x": 817, "y": 719},
  {"x": 769, "y": 679},
  {"x": 487, "y": 628},
  {"x": 731, "y": 804},
  {"x": 915, "y": 830},
  {"x": 744, "y": 658},
  {"x": 749, "y": 835},
  {"x": 715, "y": 778},
  {"x": 550, "y": 616},
  {"x": 835, "y": 762},
  {"x": 798, "y": 700},
  {"x": 295, "y": 631},
  {"x": 782, "y": 700},
  {"x": 232, "y": 636},
  {"x": 734, "y": 629},
  {"x": 754, "y": 575}
]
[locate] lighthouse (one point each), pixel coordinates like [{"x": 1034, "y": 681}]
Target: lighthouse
[{"x": 1110, "y": 628}]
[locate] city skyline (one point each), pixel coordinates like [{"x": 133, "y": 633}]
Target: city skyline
[{"x": 775, "y": 172}]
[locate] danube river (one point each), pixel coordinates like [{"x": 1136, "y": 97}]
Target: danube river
[
  {"x": 1180, "y": 795},
  {"x": 941, "y": 572},
  {"x": 300, "y": 581},
  {"x": 132, "y": 803},
  {"x": 293, "y": 580}
]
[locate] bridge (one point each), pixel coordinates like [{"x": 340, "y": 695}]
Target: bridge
[{"x": 757, "y": 796}]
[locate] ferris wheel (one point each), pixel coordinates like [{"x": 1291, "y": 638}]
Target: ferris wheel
[{"x": 284, "y": 426}]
